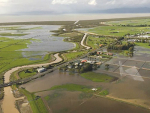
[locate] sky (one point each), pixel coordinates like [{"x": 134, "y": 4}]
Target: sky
[{"x": 65, "y": 6}]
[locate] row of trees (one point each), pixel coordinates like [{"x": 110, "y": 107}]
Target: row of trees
[
  {"x": 129, "y": 25},
  {"x": 120, "y": 46},
  {"x": 81, "y": 69}
]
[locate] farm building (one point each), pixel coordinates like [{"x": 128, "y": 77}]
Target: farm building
[
  {"x": 99, "y": 52},
  {"x": 110, "y": 54},
  {"x": 40, "y": 70},
  {"x": 83, "y": 61},
  {"x": 101, "y": 45},
  {"x": 70, "y": 66}
]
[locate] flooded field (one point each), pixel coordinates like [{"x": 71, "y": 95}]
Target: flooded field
[
  {"x": 67, "y": 101},
  {"x": 57, "y": 78},
  {"x": 73, "y": 102},
  {"x": 43, "y": 40},
  {"x": 128, "y": 88},
  {"x": 123, "y": 94}
]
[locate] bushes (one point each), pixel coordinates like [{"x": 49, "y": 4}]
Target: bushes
[
  {"x": 86, "y": 67},
  {"x": 104, "y": 93},
  {"x": 119, "y": 46}
]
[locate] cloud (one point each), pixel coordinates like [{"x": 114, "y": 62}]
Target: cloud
[
  {"x": 64, "y": 1},
  {"x": 111, "y": 2},
  {"x": 73, "y": 6},
  {"x": 92, "y": 2}
]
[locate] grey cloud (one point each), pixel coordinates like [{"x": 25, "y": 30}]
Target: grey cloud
[{"x": 66, "y": 6}]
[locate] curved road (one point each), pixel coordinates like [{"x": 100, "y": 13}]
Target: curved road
[
  {"x": 82, "y": 42},
  {"x": 8, "y": 104}
]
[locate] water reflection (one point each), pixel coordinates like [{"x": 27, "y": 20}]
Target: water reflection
[{"x": 45, "y": 41}]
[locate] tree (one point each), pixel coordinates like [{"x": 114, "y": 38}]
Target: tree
[
  {"x": 131, "y": 49},
  {"x": 107, "y": 66}
]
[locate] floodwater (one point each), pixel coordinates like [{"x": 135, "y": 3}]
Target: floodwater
[
  {"x": 71, "y": 103},
  {"x": 45, "y": 41},
  {"x": 127, "y": 88},
  {"x": 56, "y": 78},
  {"x": 9, "y": 99}
]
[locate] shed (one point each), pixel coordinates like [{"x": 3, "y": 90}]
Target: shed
[
  {"x": 40, "y": 70},
  {"x": 94, "y": 89}
]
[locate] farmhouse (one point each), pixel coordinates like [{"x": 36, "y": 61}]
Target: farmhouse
[
  {"x": 101, "y": 45},
  {"x": 83, "y": 61},
  {"x": 110, "y": 54},
  {"x": 99, "y": 52}
]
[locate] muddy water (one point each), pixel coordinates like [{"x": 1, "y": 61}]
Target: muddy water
[
  {"x": 8, "y": 105},
  {"x": 132, "y": 91},
  {"x": 57, "y": 78},
  {"x": 9, "y": 99},
  {"x": 102, "y": 105},
  {"x": 70, "y": 102}
]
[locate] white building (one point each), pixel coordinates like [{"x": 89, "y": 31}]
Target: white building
[{"x": 40, "y": 70}]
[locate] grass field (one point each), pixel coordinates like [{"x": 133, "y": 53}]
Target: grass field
[
  {"x": 37, "y": 106},
  {"x": 72, "y": 87},
  {"x": 72, "y": 55},
  {"x": 11, "y": 54},
  {"x": 146, "y": 45},
  {"x": 104, "y": 93},
  {"x": 10, "y": 34},
  {"x": 94, "y": 42},
  {"x": 27, "y": 73},
  {"x": 97, "y": 77},
  {"x": 118, "y": 31},
  {"x": 131, "y": 22}
]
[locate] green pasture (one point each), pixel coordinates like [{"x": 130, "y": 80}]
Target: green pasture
[
  {"x": 71, "y": 87},
  {"x": 131, "y": 22},
  {"x": 27, "y": 73},
  {"x": 11, "y": 54},
  {"x": 104, "y": 93},
  {"x": 37, "y": 105},
  {"x": 97, "y": 77},
  {"x": 10, "y": 34},
  {"x": 72, "y": 55},
  {"x": 146, "y": 45},
  {"x": 94, "y": 42},
  {"x": 118, "y": 31}
]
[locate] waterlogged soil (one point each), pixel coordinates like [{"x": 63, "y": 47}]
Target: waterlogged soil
[
  {"x": 111, "y": 68},
  {"x": 126, "y": 88},
  {"x": 72, "y": 102},
  {"x": 57, "y": 78}
]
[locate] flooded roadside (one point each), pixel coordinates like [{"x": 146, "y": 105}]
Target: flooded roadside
[
  {"x": 126, "y": 89},
  {"x": 9, "y": 99}
]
